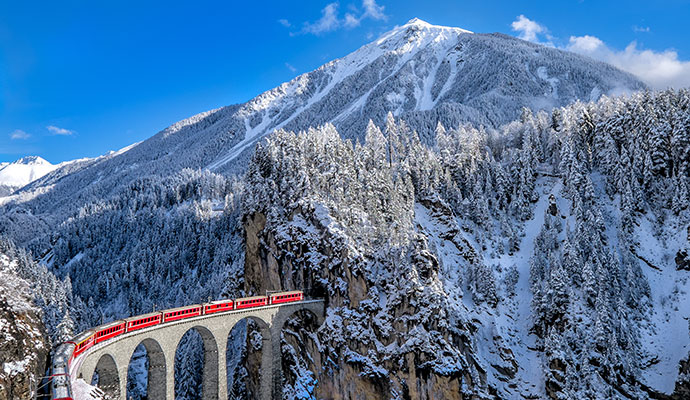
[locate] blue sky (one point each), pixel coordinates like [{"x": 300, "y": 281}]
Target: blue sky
[{"x": 80, "y": 78}]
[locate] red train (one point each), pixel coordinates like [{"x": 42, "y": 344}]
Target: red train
[{"x": 68, "y": 351}]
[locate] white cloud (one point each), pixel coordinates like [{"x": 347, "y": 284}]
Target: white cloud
[
  {"x": 351, "y": 21},
  {"x": 528, "y": 29},
  {"x": 373, "y": 10},
  {"x": 644, "y": 29},
  {"x": 19, "y": 135},
  {"x": 585, "y": 44},
  {"x": 659, "y": 70},
  {"x": 284, "y": 22},
  {"x": 59, "y": 131},
  {"x": 290, "y": 67},
  {"x": 328, "y": 22}
]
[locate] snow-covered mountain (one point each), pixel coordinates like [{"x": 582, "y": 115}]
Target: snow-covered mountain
[
  {"x": 24, "y": 171},
  {"x": 421, "y": 72},
  {"x": 543, "y": 258}
]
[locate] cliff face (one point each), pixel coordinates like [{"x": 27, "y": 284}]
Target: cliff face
[
  {"x": 23, "y": 347},
  {"x": 388, "y": 331}
]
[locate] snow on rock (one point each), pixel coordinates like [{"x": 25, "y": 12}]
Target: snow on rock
[{"x": 23, "y": 348}]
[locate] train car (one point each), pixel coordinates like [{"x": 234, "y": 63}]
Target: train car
[
  {"x": 143, "y": 321},
  {"x": 175, "y": 314},
  {"x": 83, "y": 342},
  {"x": 107, "y": 331},
  {"x": 218, "y": 306},
  {"x": 248, "y": 302},
  {"x": 285, "y": 297},
  {"x": 60, "y": 388},
  {"x": 62, "y": 357}
]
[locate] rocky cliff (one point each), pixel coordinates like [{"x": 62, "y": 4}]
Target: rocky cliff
[{"x": 24, "y": 348}]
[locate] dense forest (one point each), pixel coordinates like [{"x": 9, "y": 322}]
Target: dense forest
[{"x": 453, "y": 263}]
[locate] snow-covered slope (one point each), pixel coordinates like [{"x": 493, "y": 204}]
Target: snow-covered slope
[{"x": 24, "y": 171}]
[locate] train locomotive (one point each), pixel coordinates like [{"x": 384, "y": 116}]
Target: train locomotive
[{"x": 67, "y": 352}]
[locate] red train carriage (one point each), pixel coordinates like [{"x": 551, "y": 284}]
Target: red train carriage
[
  {"x": 181, "y": 312},
  {"x": 143, "y": 321},
  {"x": 248, "y": 302},
  {"x": 107, "y": 331},
  {"x": 218, "y": 306},
  {"x": 82, "y": 342},
  {"x": 286, "y": 297}
]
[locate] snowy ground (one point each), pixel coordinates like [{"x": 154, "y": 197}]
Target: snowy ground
[
  {"x": 666, "y": 337},
  {"x": 507, "y": 326},
  {"x": 83, "y": 391},
  {"x": 514, "y": 318}
]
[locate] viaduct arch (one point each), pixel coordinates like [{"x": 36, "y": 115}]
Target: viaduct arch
[{"x": 112, "y": 357}]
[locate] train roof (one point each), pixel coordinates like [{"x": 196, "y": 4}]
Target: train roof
[
  {"x": 66, "y": 346},
  {"x": 284, "y": 293},
  {"x": 138, "y": 317},
  {"x": 251, "y": 298},
  {"x": 220, "y": 301},
  {"x": 63, "y": 353},
  {"x": 181, "y": 308},
  {"x": 109, "y": 325},
  {"x": 82, "y": 336}
]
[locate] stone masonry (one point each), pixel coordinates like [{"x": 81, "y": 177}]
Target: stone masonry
[{"x": 112, "y": 357}]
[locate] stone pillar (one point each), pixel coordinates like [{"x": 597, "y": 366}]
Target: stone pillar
[
  {"x": 272, "y": 362},
  {"x": 122, "y": 370},
  {"x": 222, "y": 373},
  {"x": 158, "y": 376},
  {"x": 210, "y": 375},
  {"x": 169, "y": 377},
  {"x": 220, "y": 334},
  {"x": 87, "y": 369}
]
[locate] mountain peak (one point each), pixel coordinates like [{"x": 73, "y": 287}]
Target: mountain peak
[
  {"x": 32, "y": 160},
  {"x": 24, "y": 171},
  {"x": 418, "y": 22}
]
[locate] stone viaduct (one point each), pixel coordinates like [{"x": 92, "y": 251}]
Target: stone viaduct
[{"x": 111, "y": 358}]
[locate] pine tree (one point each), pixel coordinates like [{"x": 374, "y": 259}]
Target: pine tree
[
  {"x": 65, "y": 329},
  {"x": 589, "y": 282},
  {"x": 558, "y": 289}
]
